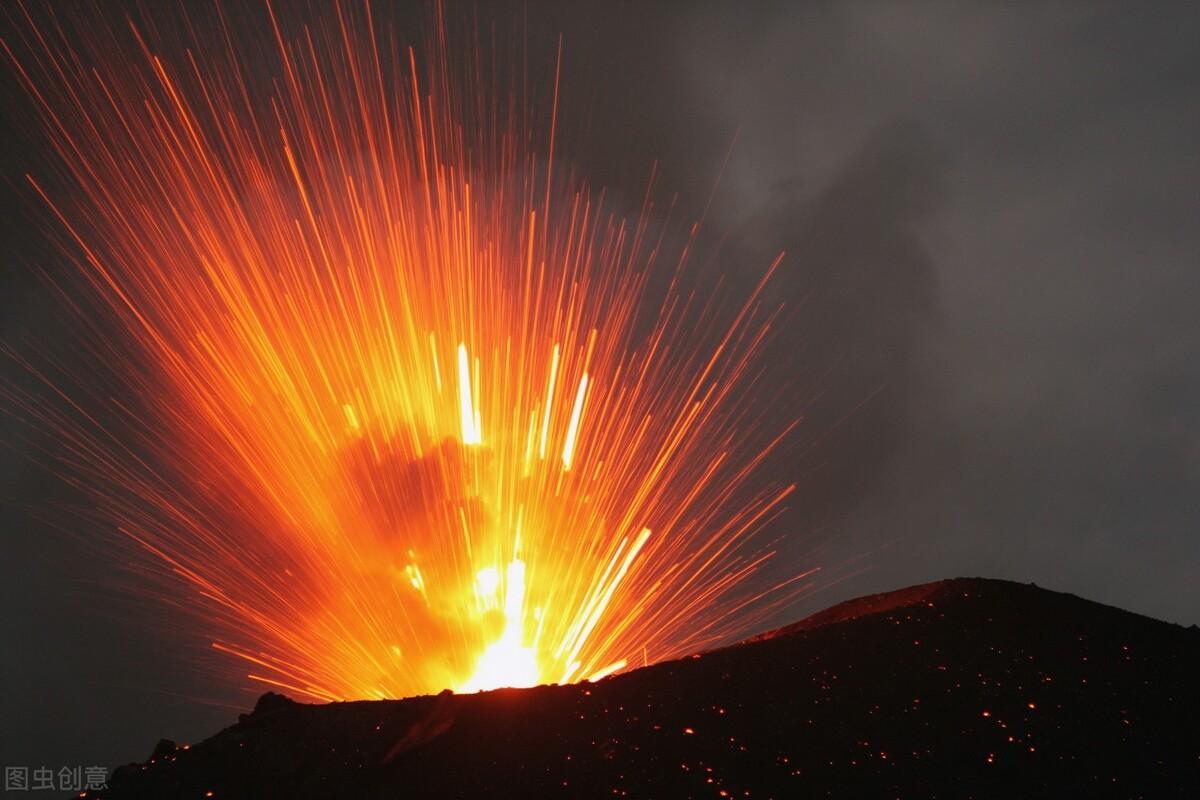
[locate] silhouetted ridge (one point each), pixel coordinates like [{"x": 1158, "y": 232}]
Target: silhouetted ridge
[{"x": 960, "y": 688}]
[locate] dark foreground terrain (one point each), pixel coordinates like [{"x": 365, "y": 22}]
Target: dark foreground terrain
[{"x": 962, "y": 688}]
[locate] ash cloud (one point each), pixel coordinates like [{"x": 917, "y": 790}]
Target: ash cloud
[{"x": 990, "y": 213}]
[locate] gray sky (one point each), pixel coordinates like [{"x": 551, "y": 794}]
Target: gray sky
[
  {"x": 991, "y": 218},
  {"x": 1027, "y": 251}
]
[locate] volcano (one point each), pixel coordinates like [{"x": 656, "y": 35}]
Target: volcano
[{"x": 960, "y": 688}]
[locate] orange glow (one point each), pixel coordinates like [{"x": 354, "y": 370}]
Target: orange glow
[{"x": 375, "y": 313}]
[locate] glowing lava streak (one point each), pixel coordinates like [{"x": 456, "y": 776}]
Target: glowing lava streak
[
  {"x": 471, "y": 433},
  {"x": 396, "y": 409}
]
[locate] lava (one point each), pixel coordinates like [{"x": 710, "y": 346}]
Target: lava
[{"x": 402, "y": 411}]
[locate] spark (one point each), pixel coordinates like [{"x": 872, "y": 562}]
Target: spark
[
  {"x": 573, "y": 427},
  {"x": 549, "y": 402},
  {"x": 359, "y": 300},
  {"x": 471, "y": 433}
]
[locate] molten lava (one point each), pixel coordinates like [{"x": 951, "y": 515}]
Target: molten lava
[{"x": 401, "y": 412}]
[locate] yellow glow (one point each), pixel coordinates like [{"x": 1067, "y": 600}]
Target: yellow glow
[{"x": 507, "y": 661}]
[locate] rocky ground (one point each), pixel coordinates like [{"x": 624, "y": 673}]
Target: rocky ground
[{"x": 956, "y": 689}]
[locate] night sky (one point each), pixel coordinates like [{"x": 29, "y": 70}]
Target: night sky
[{"x": 992, "y": 220}]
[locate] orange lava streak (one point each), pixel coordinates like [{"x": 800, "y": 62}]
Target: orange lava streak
[{"x": 429, "y": 439}]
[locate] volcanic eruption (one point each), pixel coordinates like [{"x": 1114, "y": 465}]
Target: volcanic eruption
[{"x": 403, "y": 403}]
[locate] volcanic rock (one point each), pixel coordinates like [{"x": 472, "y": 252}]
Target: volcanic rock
[{"x": 964, "y": 688}]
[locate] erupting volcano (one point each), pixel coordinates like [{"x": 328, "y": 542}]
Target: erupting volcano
[{"x": 404, "y": 404}]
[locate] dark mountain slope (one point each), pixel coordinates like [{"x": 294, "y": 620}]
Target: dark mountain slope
[{"x": 962, "y": 688}]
